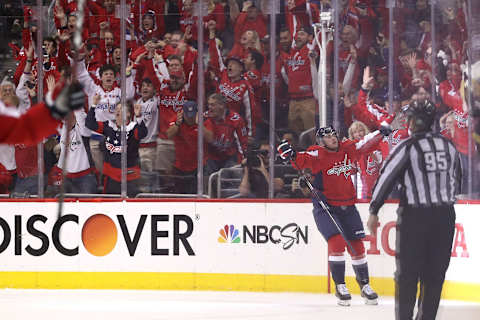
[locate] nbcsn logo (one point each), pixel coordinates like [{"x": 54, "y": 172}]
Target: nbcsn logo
[{"x": 229, "y": 234}]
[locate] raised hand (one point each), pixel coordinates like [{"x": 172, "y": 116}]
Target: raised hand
[
  {"x": 51, "y": 82},
  {"x": 368, "y": 81}
]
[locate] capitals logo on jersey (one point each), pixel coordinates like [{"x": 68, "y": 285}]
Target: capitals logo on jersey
[
  {"x": 295, "y": 61},
  {"x": 231, "y": 93},
  {"x": 339, "y": 168},
  {"x": 176, "y": 102}
]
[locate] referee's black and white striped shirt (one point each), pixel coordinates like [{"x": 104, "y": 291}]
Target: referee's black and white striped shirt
[{"x": 427, "y": 166}]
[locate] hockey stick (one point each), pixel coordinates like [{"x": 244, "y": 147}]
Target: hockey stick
[{"x": 77, "y": 43}]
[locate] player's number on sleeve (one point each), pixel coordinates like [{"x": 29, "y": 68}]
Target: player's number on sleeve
[{"x": 436, "y": 161}]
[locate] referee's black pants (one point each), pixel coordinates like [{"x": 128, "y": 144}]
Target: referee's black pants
[{"x": 423, "y": 250}]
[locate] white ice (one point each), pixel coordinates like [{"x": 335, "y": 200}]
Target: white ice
[{"x": 194, "y": 305}]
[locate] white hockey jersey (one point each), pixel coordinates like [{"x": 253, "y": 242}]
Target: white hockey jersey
[{"x": 150, "y": 118}]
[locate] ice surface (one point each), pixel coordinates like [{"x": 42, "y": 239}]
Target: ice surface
[{"x": 194, "y": 305}]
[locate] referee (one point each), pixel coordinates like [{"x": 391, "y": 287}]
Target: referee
[{"x": 427, "y": 167}]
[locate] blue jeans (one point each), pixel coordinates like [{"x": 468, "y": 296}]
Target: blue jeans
[
  {"x": 28, "y": 184},
  {"x": 83, "y": 184}
]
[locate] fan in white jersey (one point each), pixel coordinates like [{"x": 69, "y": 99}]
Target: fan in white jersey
[
  {"x": 147, "y": 151},
  {"x": 110, "y": 95}
]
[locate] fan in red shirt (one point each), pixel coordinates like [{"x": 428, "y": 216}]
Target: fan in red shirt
[
  {"x": 297, "y": 73},
  {"x": 236, "y": 89},
  {"x": 225, "y": 135},
  {"x": 184, "y": 132}
]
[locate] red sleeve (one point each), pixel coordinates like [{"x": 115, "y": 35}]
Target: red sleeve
[
  {"x": 306, "y": 159},
  {"x": 95, "y": 8},
  {"x": 219, "y": 15},
  {"x": 362, "y": 114},
  {"x": 214, "y": 62},
  {"x": 36, "y": 124},
  {"x": 238, "y": 29},
  {"x": 62, "y": 59},
  {"x": 348, "y": 116}
]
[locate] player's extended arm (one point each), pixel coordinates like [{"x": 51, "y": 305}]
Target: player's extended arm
[{"x": 30, "y": 128}]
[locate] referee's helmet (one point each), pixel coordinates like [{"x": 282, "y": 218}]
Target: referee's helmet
[{"x": 422, "y": 112}]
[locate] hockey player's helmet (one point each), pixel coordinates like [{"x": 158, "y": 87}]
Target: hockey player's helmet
[
  {"x": 423, "y": 112},
  {"x": 326, "y": 131}
]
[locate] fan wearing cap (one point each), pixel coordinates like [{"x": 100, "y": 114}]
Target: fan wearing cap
[
  {"x": 332, "y": 165},
  {"x": 184, "y": 132},
  {"x": 297, "y": 73},
  {"x": 237, "y": 91}
]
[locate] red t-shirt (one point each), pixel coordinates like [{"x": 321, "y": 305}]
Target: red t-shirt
[
  {"x": 230, "y": 136},
  {"x": 186, "y": 148}
]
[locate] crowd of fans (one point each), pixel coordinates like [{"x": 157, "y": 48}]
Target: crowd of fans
[{"x": 162, "y": 83}]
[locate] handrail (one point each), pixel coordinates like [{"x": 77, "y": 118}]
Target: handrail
[{"x": 170, "y": 195}]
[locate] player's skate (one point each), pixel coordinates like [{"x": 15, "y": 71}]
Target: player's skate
[
  {"x": 341, "y": 292},
  {"x": 371, "y": 297}
]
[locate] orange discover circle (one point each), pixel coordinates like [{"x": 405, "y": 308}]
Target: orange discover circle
[{"x": 99, "y": 235}]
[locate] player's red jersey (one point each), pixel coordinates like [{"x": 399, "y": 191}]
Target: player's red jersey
[
  {"x": 30, "y": 128},
  {"x": 186, "y": 147},
  {"x": 230, "y": 136},
  {"x": 333, "y": 170}
]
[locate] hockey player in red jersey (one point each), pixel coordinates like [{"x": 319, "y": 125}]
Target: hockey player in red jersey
[
  {"x": 332, "y": 164},
  {"x": 42, "y": 119}
]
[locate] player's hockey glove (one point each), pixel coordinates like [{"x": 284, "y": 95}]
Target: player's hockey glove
[
  {"x": 63, "y": 100},
  {"x": 286, "y": 151},
  {"x": 385, "y": 129}
]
